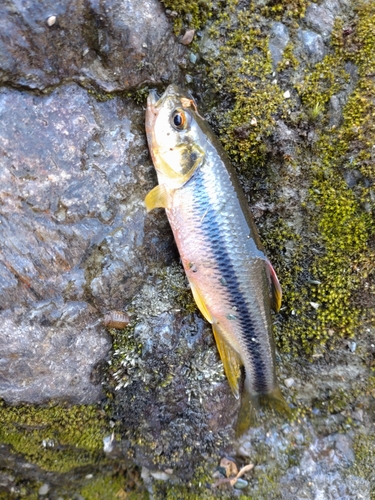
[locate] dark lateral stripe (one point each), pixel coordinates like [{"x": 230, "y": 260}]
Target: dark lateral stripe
[{"x": 211, "y": 227}]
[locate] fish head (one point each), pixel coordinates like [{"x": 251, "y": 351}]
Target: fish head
[{"x": 174, "y": 135}]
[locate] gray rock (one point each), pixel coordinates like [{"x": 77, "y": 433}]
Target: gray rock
[
  {"x": 44, "y": 489},
  {"x": 335, "y": 111},
  {"x": 321, "y": 18},
  {"x": 313, "y": 45},
  {"x": 71, "y": 238},
  {"x": 6, "y": 480},
  {"x": 114, "y": 45},
  {"x": 279, "y": 38},
  {"x": 50, "y": 352}
]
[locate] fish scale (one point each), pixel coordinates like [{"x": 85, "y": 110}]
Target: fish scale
[
  {"x": 227, "y": 244},
  {"x": 231, "y": 278}
]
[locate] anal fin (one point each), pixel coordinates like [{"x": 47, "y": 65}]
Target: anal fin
[
  {"x": 200, "y": 303},
  {"x": 230, "y": 360},
  {"x": 229, "y": 357}
]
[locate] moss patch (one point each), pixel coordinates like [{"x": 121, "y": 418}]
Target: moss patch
[
  {"x": 364, "y": 465},
  {"x": 113, "y": 488},
  {"x": 192, "y": 14},
  {"x": 56, "y": 438},
  {"x": 325, "y": 260}
]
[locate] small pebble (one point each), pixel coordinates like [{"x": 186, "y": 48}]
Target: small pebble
[
  {"x": 353, "y": 346},
  {"x": 315, "y": 305},
  {"x": 286, "y": 94},
  {"x": 358, "y": 415},
  {"x": 51, "y": 20},
  {"x": 188, "y": 37},
  {"x": 160, "y": 475},
  {"x": 107, "y": 444},
  {"x": 193, "y": 58},
  {"x": 289, "y": 382},
  {"x": 44, "y": 489},
  {"x": 240, "y": 484},
  {"x": 188, "y": 78}
]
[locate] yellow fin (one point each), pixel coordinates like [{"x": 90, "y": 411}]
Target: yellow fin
[
  {"x": 230, "y": 360},
  {"x": 158, "y": 197},
  {"x": 200, "y": 303},
  {"x": 250, "y": 403},
  {"x": 229, "y": 357}
]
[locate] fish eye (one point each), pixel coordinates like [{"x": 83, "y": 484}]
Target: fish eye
[{"x": 179, "y": 119}]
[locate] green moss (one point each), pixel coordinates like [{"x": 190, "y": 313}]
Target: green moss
[
  {"x": 112, "y": 487},
  {"x": 57, "y": 438},
  {"x": 192, "y": 14},
  {"x": 364, "y": 465},
  {"x": 284, "y": 9},
  {"x": 248, "y": 81},
  {"x": 321, "y": 83}
]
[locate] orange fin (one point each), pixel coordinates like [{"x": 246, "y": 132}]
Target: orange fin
[
  {"x": 230, "y": 360},
  {"x": 200, "y": 303},
  {"x": 158, "y": 197},
  {"x": 275, "y": 288}
]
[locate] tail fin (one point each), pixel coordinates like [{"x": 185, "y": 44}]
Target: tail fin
[{"x": 250, "y": 403}]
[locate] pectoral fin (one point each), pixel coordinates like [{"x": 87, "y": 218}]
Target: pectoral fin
[
  {"x": 158, "y": 197},
  {"x": 230, "y": 359},
  {"x": 275, "y": 288},
  {"x": 200, "y": 303}
]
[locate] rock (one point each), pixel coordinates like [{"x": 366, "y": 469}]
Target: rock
[
  {"x": 335, "y": 111},
  {"x": 49, "y": 352},
  {"x": 289, "y": 382},
  {"x": 344, "y": 447},
  {"x": 279, "y": 38},
  {"x": 188, "y": 37},
  {"x": 6, "y": 480},
  {"x": 321, "y": 18},
  {"x": 114, "y": 46},
  {"x": 313, "y": 45},
  {"x": 71, "y": 249},
  {"x": 44, "y": 489}
]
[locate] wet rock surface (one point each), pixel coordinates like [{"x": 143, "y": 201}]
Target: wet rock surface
[
  {"x": 76, "y": 244},
  {"x": 67, "y": 192},
  {"x": 111, "y": 45}
]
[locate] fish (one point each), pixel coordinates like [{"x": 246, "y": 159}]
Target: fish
[{"x": 233, "y": 283}]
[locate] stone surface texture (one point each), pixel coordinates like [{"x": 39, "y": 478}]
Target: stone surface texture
[{"x": 112, "y": 45}]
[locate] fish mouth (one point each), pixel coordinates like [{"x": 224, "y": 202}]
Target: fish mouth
[
  {"x": 155, "y": 101},
  {"x": 151, "y": 114}
]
